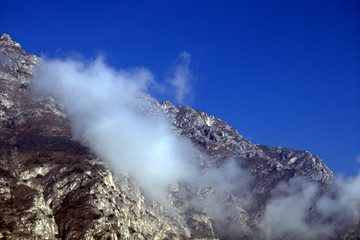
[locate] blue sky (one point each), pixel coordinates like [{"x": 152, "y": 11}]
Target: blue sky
[{"x": 284, "y": 73}]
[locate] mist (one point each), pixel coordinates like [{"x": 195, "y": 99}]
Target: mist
[
  {"x": 111, "y": 113},
  {"x": 301, "y": 209}
]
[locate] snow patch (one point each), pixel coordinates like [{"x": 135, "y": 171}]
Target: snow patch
[
  {"x": 292, "y": 160},
  {"x": 209, "y": 121}
]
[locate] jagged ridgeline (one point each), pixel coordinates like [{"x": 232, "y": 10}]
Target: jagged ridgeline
[{"x": 53, "y": 186}]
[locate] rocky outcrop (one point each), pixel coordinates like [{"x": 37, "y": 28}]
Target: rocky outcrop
[
  {"x": 221, "y": 141},
  {"x": 267, "y": 165}
]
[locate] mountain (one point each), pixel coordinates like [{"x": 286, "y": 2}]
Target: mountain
[{"x": 55, "y": 187}]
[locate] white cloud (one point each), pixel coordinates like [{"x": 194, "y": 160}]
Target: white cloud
[
  {"x": 300, "y": 209},
  {"x": 103, "y": 105},
  {"x": 181, "y": 79},
  {"x": 111, "y": 114}
]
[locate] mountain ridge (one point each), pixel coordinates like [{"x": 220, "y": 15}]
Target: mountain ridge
[{"x": 54, "y": 187}]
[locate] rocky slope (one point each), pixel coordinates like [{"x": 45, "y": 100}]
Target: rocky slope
[{"x": 52, "y": 187}]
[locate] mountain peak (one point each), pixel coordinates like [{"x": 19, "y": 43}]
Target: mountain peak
[{"x": 7, "y": 41}]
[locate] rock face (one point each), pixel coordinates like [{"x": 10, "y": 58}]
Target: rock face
[{"x": 52, "y": 187}]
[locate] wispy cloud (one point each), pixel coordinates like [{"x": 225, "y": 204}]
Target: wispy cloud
[{"x": 181, "y": 79}]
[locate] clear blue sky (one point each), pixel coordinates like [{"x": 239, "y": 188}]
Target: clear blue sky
[{"x": 284, "y": 73}]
